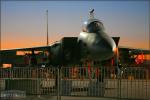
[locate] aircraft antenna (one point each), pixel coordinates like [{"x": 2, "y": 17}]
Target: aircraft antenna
[
  {"x": 47, "y": 27},
  {"x": 92, "y": 13}
]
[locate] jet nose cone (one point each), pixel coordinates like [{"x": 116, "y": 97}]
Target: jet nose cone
[
  {"x": 106, "y": 45},
  {"x": 110, "y": 47},
  {"x": 105, "y": 48}
]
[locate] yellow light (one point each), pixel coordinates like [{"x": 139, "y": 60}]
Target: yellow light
[
  {"x": 20, "y": 53},
  {"x": 7, "y": 65}
]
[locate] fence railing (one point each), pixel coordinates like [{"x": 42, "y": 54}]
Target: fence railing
[{"x": 78, "y": 81}]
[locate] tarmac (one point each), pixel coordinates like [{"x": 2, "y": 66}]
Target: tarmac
[{"x": 67, "y": 98}]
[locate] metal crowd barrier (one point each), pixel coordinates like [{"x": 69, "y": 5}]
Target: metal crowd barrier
[{"x": 95, "y": 81}]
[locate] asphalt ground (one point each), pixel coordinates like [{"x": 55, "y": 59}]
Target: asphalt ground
[{"x": 66, "y": 98}]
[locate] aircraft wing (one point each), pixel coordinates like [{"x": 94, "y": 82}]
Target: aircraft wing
[
  {"x": 10, "y": 55},
  {"x": 134, "y": 51},
  {"x": 27, "y": 49}
]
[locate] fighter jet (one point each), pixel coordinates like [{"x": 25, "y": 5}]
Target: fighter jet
[{"x": 92, "y": 43}]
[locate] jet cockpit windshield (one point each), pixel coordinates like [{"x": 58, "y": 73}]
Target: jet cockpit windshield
[{"x": 93, "y": 26}]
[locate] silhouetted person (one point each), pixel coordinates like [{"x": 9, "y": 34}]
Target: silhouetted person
[
  {"x": 26, "y": 59},
  {"x": 33, "y": 60}
]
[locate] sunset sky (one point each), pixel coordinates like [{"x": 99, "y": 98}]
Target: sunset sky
[{"x": 23, "y": 23}]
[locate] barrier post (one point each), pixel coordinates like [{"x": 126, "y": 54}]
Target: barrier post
[{"x": 58, "y": 84}]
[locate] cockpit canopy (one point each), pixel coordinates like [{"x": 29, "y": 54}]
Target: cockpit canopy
[{"x": 93, "y": 26}]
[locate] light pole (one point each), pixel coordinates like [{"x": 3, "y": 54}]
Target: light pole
[{"x": 47, "y": 27}]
